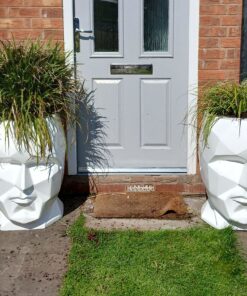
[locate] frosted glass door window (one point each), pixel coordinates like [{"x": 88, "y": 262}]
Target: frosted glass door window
[
  {"x": 156, "y": 23},
  {"x": 106, "y": 25}
]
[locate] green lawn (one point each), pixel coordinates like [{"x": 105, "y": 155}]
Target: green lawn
[{"x": 198, "y": 261}]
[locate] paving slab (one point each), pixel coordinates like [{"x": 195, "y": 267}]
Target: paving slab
[
  {"x": 242, "y": 243},
  {"x": 33, "y": 263}
]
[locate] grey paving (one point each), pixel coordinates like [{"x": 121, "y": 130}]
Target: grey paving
[
  {"x": 242, "y": 243},
  {"x": 33, "y": 263}
]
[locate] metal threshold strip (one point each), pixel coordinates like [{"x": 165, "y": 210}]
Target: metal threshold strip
[{"x": 148, "y": 171}]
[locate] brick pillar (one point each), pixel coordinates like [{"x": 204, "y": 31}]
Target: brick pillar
[
  {"x": 31, "y": 19},
  {"x": 220, "y": 40}
]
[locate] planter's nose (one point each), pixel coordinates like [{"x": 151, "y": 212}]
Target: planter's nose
[{"x": 24, "y": 181}]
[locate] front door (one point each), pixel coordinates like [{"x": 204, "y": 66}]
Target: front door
[{"x": 136, "y": 62}]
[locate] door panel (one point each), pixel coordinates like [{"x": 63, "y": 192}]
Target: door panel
[
  {"x": 155, "y": 95},
  {"x": 143, "y": 113},
  {"x": 110, "y": 92}
]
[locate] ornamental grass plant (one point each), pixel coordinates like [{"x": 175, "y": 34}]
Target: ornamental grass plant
[
  {"x": 36, "y": 82},
  {"x": 224, "y": 99}
]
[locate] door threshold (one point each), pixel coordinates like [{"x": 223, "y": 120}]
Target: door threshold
[{"x": 137, "y": 171}]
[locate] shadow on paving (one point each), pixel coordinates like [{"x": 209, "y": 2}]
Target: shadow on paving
[{"x": 34, "y": 262}]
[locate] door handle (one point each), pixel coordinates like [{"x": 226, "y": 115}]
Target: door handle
[{"x": 77, "y": 30}]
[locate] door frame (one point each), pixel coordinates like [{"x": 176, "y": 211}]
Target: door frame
[{"x": 194, "y": 11}]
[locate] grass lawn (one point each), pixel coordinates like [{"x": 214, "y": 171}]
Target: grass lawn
[{"x": 198, "y": 261}]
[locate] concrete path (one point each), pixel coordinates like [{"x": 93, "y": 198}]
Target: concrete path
[
  {"x": 33, "y": 263},
  {"x": 242, "y": 244}
]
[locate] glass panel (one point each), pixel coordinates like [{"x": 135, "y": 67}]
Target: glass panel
[
  {"x": 106, "y": 25},
  {"x": 156, "y": 15}
]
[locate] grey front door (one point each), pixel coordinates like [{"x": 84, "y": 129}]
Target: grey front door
[{"x": 136, "y": 61}]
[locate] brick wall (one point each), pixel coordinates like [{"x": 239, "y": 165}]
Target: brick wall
[
  {"x": 220, "y": 40},
  {"x": 31, "y": 19},
  {"x": 220, "y": 31}
]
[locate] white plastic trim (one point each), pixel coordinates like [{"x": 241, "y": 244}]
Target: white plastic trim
[
  {"x": 192, "y": 81},
  {"x": 68, "y": 17},
  {"x": 193, "y": 84}
]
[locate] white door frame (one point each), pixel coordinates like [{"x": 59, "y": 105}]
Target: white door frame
[{"x": 194, "y": 5}]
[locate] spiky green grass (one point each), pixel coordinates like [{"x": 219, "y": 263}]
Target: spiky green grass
[
  {"x": 199, "y": 261},
  {"x": 228, "y": 98},
  {"x": 36, "y": 82}
]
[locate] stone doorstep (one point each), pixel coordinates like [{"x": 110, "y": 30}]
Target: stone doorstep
[{"x": 194, "y": 205}]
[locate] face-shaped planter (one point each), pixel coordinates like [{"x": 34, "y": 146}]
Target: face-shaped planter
[
  {"x": 28, "y": 191},
  {"x": 223, "y": 164}
]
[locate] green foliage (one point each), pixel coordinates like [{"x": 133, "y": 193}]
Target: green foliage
[
  {"x": 35, "y": 83},
  {"x": 222, "y": 99},
  {"x": 192, "y": 262}
]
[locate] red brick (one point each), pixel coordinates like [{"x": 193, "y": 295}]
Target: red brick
[
  {"x": 230, "y": 42},
  {"x": 3, "y": 34},
  {"x": 234, "y": 9},
  {"x": 209, "y": 42},
  {"x": 3, "y": 12},
  {"x": 213, "y": 31},
  {"x": 210, "y": 65},
  {"x": 8, "y": 3},
  {"x": 26, "y": 34},
  {"x": 24, "y": 12},
  {"x": 8, "y": 23},
  {"x": 210, "y": 2},
  {"x": 230, "y": 64},
  {"x": 213, "y": 9},
  {"x": 231, "y": 20},
  {"x": 108, "y": 188},
  {"x": 234, "y": 32},
  {"x": 232, "y": 2},
  {"x": 212, "y": 75},
  {"x": 232, "y": 75},
  {"x": 210, "y": 20},
  {"x": 52, "y": 12},
  {"x": 170, "y": 187},
  {"x": 231, "y": 53},
  {"x": 43, "y": 3},
  {"x": 212, "y": 54},
  {"x": 47, "y": 23},
  {"x": 53, "y": 34}
]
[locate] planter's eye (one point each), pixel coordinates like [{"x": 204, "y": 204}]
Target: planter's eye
[
  {"x": 230, "y": 158},
  {"x": 9, "y": 162}
]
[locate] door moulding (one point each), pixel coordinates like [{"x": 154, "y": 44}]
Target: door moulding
[
  {"x": 194, "y": 13},
  {"x": 194, "y": 5}
]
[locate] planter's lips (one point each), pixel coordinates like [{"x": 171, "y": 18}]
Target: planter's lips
[
  {"x": 23, "y": 201},
  {"x": 241, "y": 200}
]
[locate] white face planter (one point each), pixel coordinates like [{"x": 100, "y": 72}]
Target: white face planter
[
  {"x": 223, "y": 165},
  {"x": 28, "y": 192}
]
